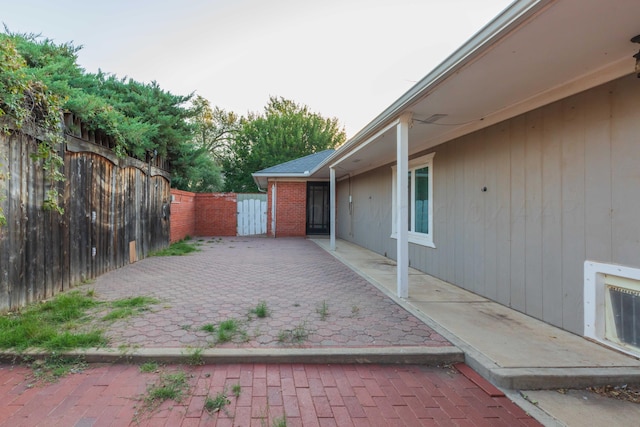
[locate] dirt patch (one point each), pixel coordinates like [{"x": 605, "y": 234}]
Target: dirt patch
[{"x": 626, "y": 392}]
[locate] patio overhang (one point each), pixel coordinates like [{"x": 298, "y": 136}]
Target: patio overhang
[{"x": 532, "y": 54}]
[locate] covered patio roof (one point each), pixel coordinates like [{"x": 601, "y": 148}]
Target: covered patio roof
[{"x": 534, "y": 53}]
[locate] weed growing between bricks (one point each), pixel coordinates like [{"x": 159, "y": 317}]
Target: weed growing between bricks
[
  {"x": 276, "y": 422},
  {"x": 260, "y": 310},
  {"x": 149, "y": 367},
  {"x": 54, "y": 367},
  {"x": 169, "y": 386},
  {"x": 323, "y": 310},
  {"x": 226, "y": 331},
  {"x": 297, "y": 335},
  {"x": 195, "y": 357},
  {"x": 217, "y": 403}
]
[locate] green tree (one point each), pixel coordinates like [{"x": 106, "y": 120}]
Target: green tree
[
  {"x": 139, "y": 117},
  {"x": 199, "y": 164},
  {"x": 199, "y": 172},
  {"x": 214, "y": 128},
  {"x": 285, "y": 131},
  {"x": 39, "y": 79}
]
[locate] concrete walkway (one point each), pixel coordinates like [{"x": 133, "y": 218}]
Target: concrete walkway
[{"x": 516, "y": 352}]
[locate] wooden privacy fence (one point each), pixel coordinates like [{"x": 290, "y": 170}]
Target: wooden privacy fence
[{"x": 116, "y": 210}]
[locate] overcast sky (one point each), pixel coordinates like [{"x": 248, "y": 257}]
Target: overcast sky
[{"x": 348, "y": 59}]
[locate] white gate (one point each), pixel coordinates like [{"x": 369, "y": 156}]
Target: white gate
[{"x": 252, "y": 214}]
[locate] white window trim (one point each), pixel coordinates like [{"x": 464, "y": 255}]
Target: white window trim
[
  {"x": 417, "y": 238},
  {"x": 594, "y": 300}
]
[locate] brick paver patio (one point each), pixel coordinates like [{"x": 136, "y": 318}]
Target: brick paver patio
[
  {"x": 231, "y": 276},
  {"x": 228, "y": 278},
  {"x": 305, "y": 395}
]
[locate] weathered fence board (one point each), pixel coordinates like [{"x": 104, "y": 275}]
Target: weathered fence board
[
  {"x": 252, "y": 214},
  {"x": 108, "y": 203}
]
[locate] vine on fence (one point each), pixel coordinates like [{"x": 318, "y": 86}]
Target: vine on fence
[{"x": 28, "y": 103}]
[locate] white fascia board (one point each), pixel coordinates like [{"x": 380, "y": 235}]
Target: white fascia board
[
  {"x": 365, "y": 143},
  {"x": 261, "y": 179}
]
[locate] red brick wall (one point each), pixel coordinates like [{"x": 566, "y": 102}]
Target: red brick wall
[
  {"x": 203, "y": 214},
  {"x": 183, "y": 215},
  {"x": 291, "y": 209},
  {"x": 216, "y": 214}
]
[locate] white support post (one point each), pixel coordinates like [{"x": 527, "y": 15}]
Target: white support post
[
  {"x": 273, "y": 209},
  {"x": 402, "y": 226},
  {"x": 332, "y": 207}
]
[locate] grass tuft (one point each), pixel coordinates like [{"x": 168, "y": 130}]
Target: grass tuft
[
  {"x": 279, "y": 422},
  {"x": 261, "y": 310},
  {"x": 209, "y": 327},
  {"x": 170, "y": 386},
  {"x": 323, "y": 310},
  {"x": 55, "y": 366},
  {"x": 195, "y": 357},
  {"x": 181, "y": 247},
  {"x": 296, "y": 335},
  {"x": 46, "y": 325},
  {"x": 227, "y": 329},
  {"x": 236, "y": 389},
  {"x": 217, "y": 403},
  {"x": 149, "y": 367},
  {"x": 128, "y": 307}
]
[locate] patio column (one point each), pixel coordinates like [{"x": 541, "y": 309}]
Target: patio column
[
  {"x": 332, "y": 207},
  {"x": 402, "y": 208}
]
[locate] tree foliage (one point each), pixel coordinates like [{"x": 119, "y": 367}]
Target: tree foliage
[
  {"x": 285, "y": 131},
  {"x": 40, "y": 79},
  {"x": 213, "y": 131},
  {"x": 140, "y": 117},
  {"x": 199, "y": 171},
  {"x": 27, "y": 101},
  {"x": 214, "y": 128}
]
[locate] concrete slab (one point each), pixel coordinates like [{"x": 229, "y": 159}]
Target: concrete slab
[
  {"x": 509, "y": 348},
  {"x": 583, "y": 408},
  {"x": 514, "y": 340}
]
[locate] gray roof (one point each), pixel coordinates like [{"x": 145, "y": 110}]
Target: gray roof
[{"x": 301, "y": 165}]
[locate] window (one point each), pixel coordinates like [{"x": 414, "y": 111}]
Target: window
[
  {"x": 420, "y": 192},
  {"x": 611, "y": 305}
]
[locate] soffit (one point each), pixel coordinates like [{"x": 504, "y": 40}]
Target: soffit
[{"x": 565, "y": 47}]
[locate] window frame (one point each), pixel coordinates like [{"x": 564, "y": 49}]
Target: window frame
[{"x": 423, "y": 239}]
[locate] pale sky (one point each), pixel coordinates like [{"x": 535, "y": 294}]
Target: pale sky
[{"x": 348, "y": 59}]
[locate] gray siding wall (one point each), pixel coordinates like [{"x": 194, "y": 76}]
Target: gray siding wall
[
  {"x": 563, "y": 186},
  {"x": 367, "y": 222}
]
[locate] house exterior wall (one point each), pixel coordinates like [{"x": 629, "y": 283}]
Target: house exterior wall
[
  {"x": 290, "y": 207},
  {"x": 366, "y": 221},
  {"x": 563, "y": 186}
]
